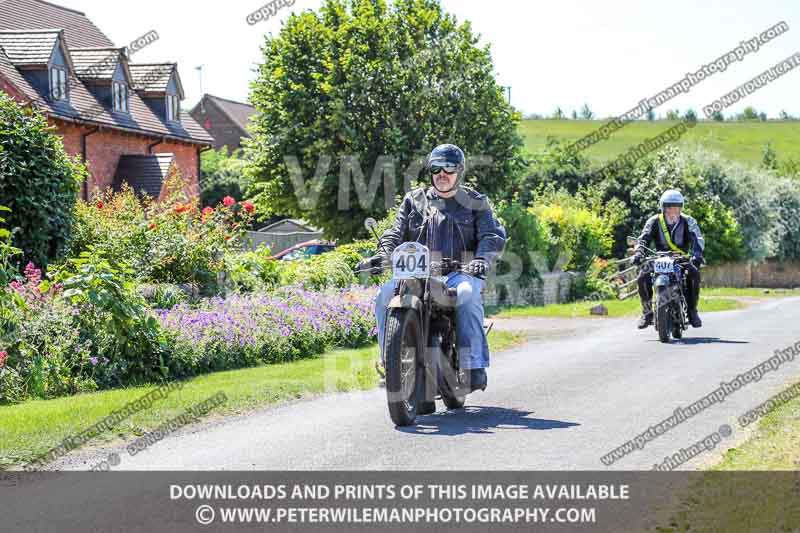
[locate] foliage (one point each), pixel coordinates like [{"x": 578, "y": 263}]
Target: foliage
[
  {"x": 10, "y": 302},
  {"x": 527, "y": 240},
  {"x": 38, "y": 181},
  {"x": 252, "y": 270},
  {"x": 586, "y": 113},
  {"x": 115, "y": 318},
  {"x": 578, "y": 229},
  {"x": 364, "y": 79},
  {"x": 162, "y": 295},
  {"x": 330, "y": 270},
  {"x": 223, "y": 175},
  {"x": 769, "y": 158},
  {"x": 169, "y": 242}
]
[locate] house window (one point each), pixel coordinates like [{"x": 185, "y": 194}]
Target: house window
[
  {"x": 119, "y": 93},
  {"x": 58, "y": 83},
  {"x": 173, "y": 108}
]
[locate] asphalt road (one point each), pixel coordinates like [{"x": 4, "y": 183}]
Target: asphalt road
[{"x": 559, "y": 402}]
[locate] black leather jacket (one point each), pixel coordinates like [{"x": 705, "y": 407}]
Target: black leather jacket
[
  {"x": 685, "y": 235},
  {"x": 469, "y": 231}
]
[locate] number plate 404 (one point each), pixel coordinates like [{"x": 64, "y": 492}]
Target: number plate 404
[{"x": 411, "y": 260}]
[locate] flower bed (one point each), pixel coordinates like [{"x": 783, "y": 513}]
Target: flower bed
[{"x": 266, "y": 328}]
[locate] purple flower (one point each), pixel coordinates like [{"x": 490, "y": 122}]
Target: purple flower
[{"x": 93, "y": 360}]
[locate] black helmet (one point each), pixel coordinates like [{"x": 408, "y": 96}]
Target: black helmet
[{"x": 444, "y": 154}]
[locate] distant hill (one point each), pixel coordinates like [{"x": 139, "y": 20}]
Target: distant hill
[{"x": 737, "y": 141}]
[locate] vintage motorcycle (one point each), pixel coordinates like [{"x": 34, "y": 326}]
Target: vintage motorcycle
[
  {"x": 668, "y": 271},
  {"x": 420, "y": 349}
]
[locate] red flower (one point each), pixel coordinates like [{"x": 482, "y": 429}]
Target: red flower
[
  {"x": 3, "y": 357},
  {"x": 227, "y": 237},
  {"x": 208, "y": 211},
  {"x": 151, "y": 226},
  {"x": 248, "y": 207},
  {"x": 99, "y": 205},
  {"x": 228, "y": 201}
]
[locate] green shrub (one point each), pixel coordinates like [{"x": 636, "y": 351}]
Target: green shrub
[
  {"x": 115, "y": 319},
  {"x": 318, "y": 272},
  {"x": 252, "y": 271},
  {"x": 38, "y": 181},
  {"x": 169, "y": 242},
  {"x": 578, "y": 229},
  {"x": 162, "y": 295}
]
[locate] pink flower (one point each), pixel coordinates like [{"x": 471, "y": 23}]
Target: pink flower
[
  {"x": 208, "y": 211},
  {"x": 228, "y": 201},
  {"x": 248, "y": 207},
  {"x": 3, "y": 357}
]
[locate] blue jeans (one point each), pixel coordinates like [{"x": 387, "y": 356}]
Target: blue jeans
[{"x": 473, "y": 350}]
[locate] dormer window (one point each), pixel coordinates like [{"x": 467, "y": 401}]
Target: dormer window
[
  {"x": 58, "y": 83},
  {"x": 119, "y": 94},
  {"x": 173, "y": 108}
]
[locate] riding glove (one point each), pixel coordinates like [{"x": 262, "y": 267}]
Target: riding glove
[{"x": 478, "y": 268}]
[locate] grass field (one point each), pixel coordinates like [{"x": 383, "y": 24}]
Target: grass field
[
  {"x": 32, "y": 428},
  {"x": 616, "y": 308},
  {"x": 736, "y": 141}
]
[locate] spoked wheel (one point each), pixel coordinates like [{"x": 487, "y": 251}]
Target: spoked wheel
[
  {"x": 404, "y": 369},
  {"x": 677, "y": 330},
  {"x": 663, "y": 314},
  {"x": 448, "y": 381}
]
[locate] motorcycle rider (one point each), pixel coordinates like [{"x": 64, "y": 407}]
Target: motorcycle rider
[
  {"x": 671, "y": 231},
  {"x": 461, "y": 226}
]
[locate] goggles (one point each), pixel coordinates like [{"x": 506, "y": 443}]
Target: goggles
[{"x": 447, "y": 168}]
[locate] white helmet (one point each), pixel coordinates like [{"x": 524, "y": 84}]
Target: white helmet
[{"x": 671, "y": 198}]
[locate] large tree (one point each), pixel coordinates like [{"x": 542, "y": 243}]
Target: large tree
[{"x": 352, "y": 98}]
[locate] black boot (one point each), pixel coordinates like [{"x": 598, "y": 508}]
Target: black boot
[
  {"x": 426, "y": 408},
  {"x": 647, "y": 314},
  {"x": 694, "y": 319},
  {"x": 645, "y": 321},
  {"x": 478, "y": 379}
]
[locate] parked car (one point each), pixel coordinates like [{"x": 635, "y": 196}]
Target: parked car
[{"x": 305, "y": 250}]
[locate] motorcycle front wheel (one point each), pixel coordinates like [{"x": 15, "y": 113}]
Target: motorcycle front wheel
[
  {"x": 403, "y": 348},
  {"x": 663, "y": 314}
]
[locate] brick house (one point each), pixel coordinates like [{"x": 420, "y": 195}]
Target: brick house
[
  {"x": 226, "y": 120},
  {"x": 121, "y": 117}
]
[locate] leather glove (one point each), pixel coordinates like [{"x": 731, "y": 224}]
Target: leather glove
[
  {"x": 637, "y": 259},
  {"x": 478, "y": 268},
  {"x": 372, "y": 265}
]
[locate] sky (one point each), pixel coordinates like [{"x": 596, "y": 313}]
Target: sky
[{"x": 565, "y": 53}]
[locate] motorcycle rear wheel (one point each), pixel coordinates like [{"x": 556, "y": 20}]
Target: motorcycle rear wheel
[
  {"x": 451, "y": 399},
  {"x": 405, "y": 381}
]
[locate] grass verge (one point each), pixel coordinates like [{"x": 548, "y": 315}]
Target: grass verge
[
  {"x": 732, "y": 497},
  {"x": 616, "y": 308},
  {"x": 34, "y": 427},
  {"x": 752, "y": 292}
]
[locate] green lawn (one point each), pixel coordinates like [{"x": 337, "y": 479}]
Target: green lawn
[
  {"x": 722, "y": 501},
  {"x": 31, "y": 428},
  {"x": 752, "y": 292},
  {"x": 737, "y": 141},
  {"x": 616, "y": 308}
]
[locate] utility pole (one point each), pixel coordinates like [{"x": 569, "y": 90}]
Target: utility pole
[
  {"x": 200, "y": 74},
  {"x": 508, "y": 89}
]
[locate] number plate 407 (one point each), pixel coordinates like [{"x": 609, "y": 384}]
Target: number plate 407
[{"x": 411, "y": 260}]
